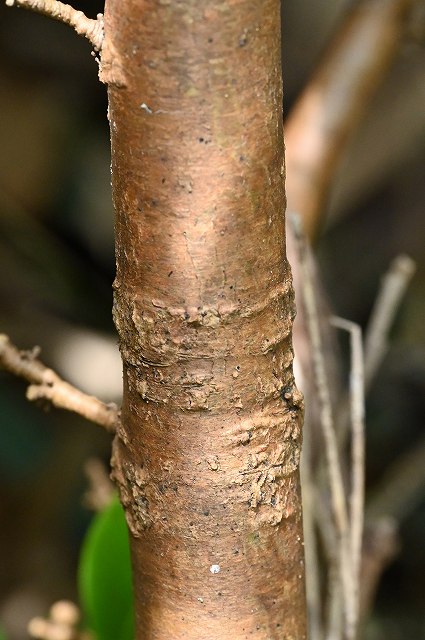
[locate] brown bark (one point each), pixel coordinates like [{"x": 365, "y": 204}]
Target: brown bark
[{"x": 207, "y": 455}]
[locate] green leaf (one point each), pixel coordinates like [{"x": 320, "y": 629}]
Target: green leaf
[{"x": 105, "y": 584}]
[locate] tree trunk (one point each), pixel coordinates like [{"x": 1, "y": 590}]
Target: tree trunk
[{"x": 207, "y": 456}]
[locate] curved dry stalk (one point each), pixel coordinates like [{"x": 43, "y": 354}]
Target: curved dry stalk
[
  {"x": 84, "y": 26},
  {"x": 47, "y": 385},
  {"x": 334, "y": 100}
]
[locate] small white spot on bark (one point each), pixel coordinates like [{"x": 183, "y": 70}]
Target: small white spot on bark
[
  {"x": 146, "y": 108},
  {"x": 215, "y": 568}
]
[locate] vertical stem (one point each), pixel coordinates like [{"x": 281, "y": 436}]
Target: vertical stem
[
  {"x": 357, "y": 415},
  {"x": 333, "y": 463},
  {"x": 207, "y": 457}
]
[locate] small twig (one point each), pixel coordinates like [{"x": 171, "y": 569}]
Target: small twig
[
  {"x": 393, "y": 288},
  {"x": 84, "y": 26},
  {"x": 387, "y": 303},
  {"x": 46, "y": 384},
  {"x": 357, "y": 412}
]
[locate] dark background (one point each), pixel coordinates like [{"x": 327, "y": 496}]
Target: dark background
[{"x": 57, "y": 267}]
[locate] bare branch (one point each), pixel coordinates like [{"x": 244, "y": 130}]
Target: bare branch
[
  {"x": 334, "y": 100},
  {"x": 84, "y": 26},
  {"x": 393, "y": 288},
  {"x": 46, "y": 384}
]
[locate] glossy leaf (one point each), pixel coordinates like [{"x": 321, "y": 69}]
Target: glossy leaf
[{"x": 105, "y": 576}]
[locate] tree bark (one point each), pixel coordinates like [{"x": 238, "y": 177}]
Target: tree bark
[{"x": 207, "y": 455}]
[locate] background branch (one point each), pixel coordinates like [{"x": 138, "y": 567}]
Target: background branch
[
  {"x": 84, "y": 26},
  {"x": 334, "y": 100},
  {"x": 46, "y": 384}
]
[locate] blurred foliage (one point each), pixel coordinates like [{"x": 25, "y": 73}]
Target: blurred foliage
[{"x": 105, "y": 585}]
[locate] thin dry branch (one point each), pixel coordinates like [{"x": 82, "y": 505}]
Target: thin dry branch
[
  {"x": 357, "y": 413},
  {"x": 333, "y": 463},
  {"x": 335, "y": 99},
  {"x": 393, "y": 288},
  {"x": 376, "y": 343},
  {"x": 46, "y": 384},
  {"x": 326, "y": 417},
  {"x": 84, "y": 26}
]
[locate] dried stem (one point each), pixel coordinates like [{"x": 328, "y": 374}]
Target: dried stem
[
  {"x": 84, "y": 26},
  {"x": 393, "y": 288},
  {"x": 46, "y": 384},
  {"x": 387, "y": 303},
  {"x": 338, "y": 500},
  {"x": 357, "y": 412},
  {"x": 334, "y": 100},
  {"x": 321, "y": 382}
]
